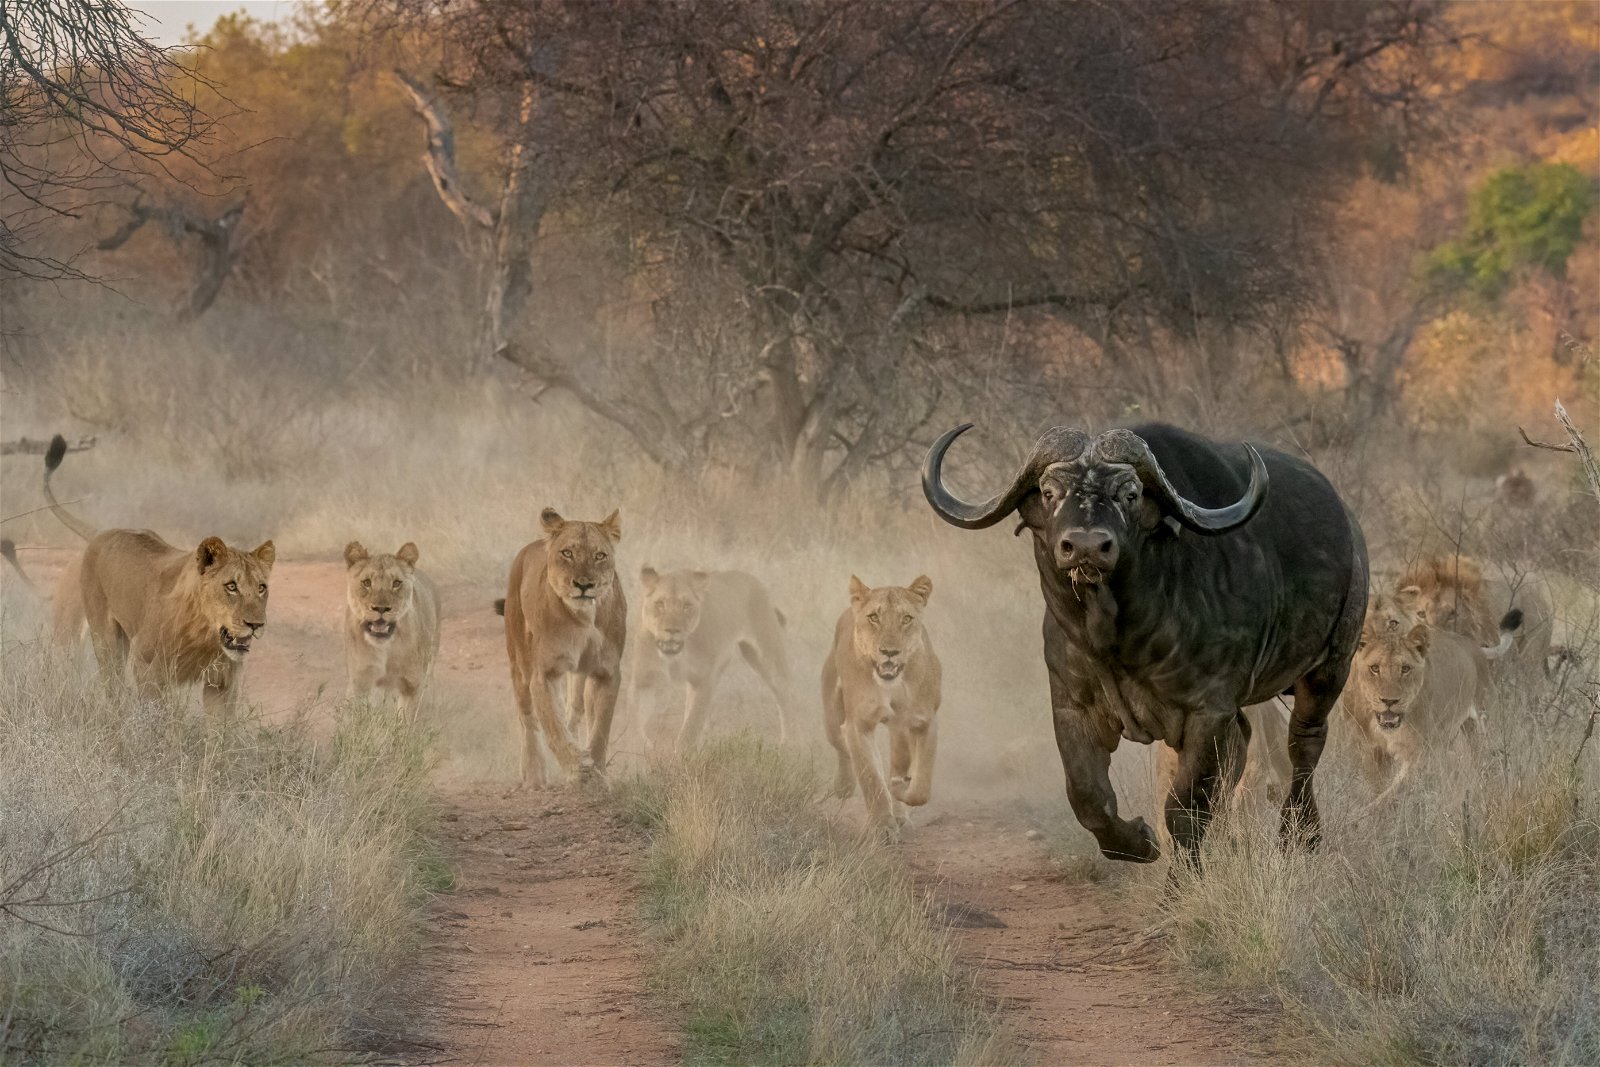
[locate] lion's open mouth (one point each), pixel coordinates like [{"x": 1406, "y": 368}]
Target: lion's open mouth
[
  {"x": 889, "y": 671},
  {"x": 1388, "y": 720},
  {"x": 669, "y": 647},
  {"x": 231, "y": 643},
  {"x": 380, "y": 628}
]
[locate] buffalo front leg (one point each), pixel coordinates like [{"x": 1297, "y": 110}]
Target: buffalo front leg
[
  {"x": 1209, "y": 765},
  {"x": 1314, "y": 697},
  {"x": 1088, "y": 768}
]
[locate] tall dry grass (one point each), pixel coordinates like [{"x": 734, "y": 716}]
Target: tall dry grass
[
  {"x": 784, "y": 938},
  {"x": 184, "y": 891}
]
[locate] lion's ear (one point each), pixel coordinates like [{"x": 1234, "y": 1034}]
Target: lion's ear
[
  {"x": 612, "y": 525},
  {"x": 265, "y": 553},
  {"x": 1418, "y": 638},
  {"x": 408, "y": 554},
  {"x": 648, "y": 577},
  {"x": 211, "y": 552},
  {"x": 354, "y": 553},
  {"x": 1410, "y": 598},
  {"x": 551, "y": 520},
  {"x": 858, "y": 590},
  {"x": 921, "y": 587}
]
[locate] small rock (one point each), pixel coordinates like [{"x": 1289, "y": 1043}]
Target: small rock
[
  {"x": 1034, "y": 835},
  {"x": 451, "y": 816},
  {"x": 1019, "y": 887},
  {"x": 526, "y": 948},
  {"x": 513, "y": 826},
  {"x": 508, "y": 914}
]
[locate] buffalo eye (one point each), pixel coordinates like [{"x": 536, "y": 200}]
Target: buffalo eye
[
  {"x": 1373, "y": 669},
  {"x": 1047, "y": 494},
  {"x": 232, "y": 587},
  {"x": 566, "y": 553}
]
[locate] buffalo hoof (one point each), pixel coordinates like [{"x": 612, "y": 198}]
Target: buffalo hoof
[{"x": 1136, "y": 845}]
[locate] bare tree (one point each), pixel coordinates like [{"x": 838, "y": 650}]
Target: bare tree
[{"x": 86, "y": 103}]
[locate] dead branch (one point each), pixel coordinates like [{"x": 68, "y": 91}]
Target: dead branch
[
  {"x": 217, "y": 248},
  {"x": 1591, "y": 469},
  {"x": 440, "y": 157},
  {"x": 28, "y": 446}
]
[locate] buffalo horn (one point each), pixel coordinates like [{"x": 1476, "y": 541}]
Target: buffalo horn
[{"x": 1125, "y": 446}]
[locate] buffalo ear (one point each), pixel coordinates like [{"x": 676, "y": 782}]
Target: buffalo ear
[
  {"x": 408, "y": 554},
  {"x": 648, "y": 577},
  {"x": 265, "y": 553},
  {"x": 612, "y": 525},
  {"x": 858, "y": 590},
  {"x": 354, "y": 553},
  {"x": 1149, "y": 515},
  {"x": 551, "y": 520},
  {"x": 921, "y": 587},
  {"x": 211, "y": 552}
]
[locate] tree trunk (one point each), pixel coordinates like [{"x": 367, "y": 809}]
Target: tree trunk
[{"x": 522, "y": 205}]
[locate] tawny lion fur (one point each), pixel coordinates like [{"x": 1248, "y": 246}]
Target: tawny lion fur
[
  {"x": 566, "y": 616},
  {"x": 882, "y": 671},
  {"x": 391, "y": 624},
  {"x": 1453, "y": 593},
  {"x": 693, "y": 623}
]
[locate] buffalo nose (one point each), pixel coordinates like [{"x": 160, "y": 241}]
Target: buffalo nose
[{"x": 1089, "y": 546}]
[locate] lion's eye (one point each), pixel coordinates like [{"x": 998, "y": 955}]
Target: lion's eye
[
  {"x": 598, "y": 556},
  {"x": 1405, "y": 670},
  {"x": 366, "y": 583},
  {"x": 906, "y": 619},
  {"x": 232, "y": 587},
  {"x": 873, "y": 618},
  {"x": 397, "y": 583},
  {"x": 262, "y": 589},
  {"x": 566, "y": 553},
  {"x": 1373, "y": 668}
]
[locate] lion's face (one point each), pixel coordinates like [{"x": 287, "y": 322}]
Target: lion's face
[
  {"x": 1389, "y": 664},
  {"x": 672, "y": 605},
  {"x": 233, "y": 592},
  {"x": 1448, "y": 590},
  {"x": 380, "y": 589},
  {"x": 888, "y": 623},
  {"x": 580, "y": 563}
]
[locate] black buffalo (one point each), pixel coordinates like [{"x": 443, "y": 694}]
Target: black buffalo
[{"x": 1178, "y": 588}]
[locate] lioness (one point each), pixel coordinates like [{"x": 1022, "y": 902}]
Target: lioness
[
  {"x": 391, "y": 624},
  {"x": 882, "y": 670},
  {"x": 1414, "y": 687},
  {"x": 565, "y": 615},
  {"x": 1452, "y": 592},
  {"x": 185, "y": 617},
  {"x": 693, "y": 623}
]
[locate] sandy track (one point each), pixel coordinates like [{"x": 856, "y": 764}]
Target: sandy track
[{"x": 535, "y": 956}]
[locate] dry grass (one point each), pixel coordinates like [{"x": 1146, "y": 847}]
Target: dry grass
[
  {"x": 1457, "y": 925},
  {"x": 178, "y": 891},
  {"x": 783, "y": 938}
]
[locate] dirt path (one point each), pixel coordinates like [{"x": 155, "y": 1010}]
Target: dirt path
[
  {"x": 1079, "y": 981},
  {"x": 534, "y": 958}
]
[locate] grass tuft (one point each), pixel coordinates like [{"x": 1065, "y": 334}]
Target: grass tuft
[{"x": 781, "y": 937}]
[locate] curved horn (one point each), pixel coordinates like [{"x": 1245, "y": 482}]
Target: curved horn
[
  {"x": 1056, "y": 445},
  {"x": 1125, "y": 446}
]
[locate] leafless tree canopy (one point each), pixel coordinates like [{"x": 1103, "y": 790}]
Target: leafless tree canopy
[{"x": 86, "y": 102}]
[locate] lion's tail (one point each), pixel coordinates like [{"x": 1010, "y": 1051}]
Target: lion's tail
[
  {"x": 1508, "y": 631},
  {"x": 500, "y": 607},
  {"x": 52, "y": 460},
  {"x": 8, "y": 549}
]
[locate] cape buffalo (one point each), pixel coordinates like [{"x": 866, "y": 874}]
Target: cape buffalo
[{"x": 1177, "y": 590}]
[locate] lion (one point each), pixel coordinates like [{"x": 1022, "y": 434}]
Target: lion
[
  {"x": 566, "y": 615},
  {"x": 693, "y": 622},
  {"x": 1452, "y": 592},
  {"x": 882, "y": 669},
  {"x": 391, "y": 624},
  {"x": 180, "y": 617},
  {"x": 1267, "y": 772},
  {"x": 1414, "y": 687}
]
